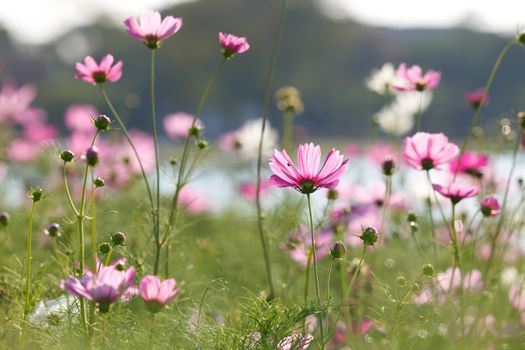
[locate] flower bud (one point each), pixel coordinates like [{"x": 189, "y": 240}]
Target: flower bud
[
  {"x": 521, "y": 119},
  {"x": 401, "y": 281},
  {"x": 102, "y": 123},
  {"x": 369, "y": 235},
  {"x": 104, "y": 248},
  {"x": 67, "y": 156},
  {"x": 338, "y": 250},
  {"x": 332, "y": 195},
  {"x": 4, "y": 219},
  {"x": 416, "y": 287},
  {"x": 99, "y": 182},
  {"x": 92, "y": 156},
  {"x": 118, "y": 238},
  {"x": 521, "y": 38},
  {"x": 428, "y": 270},
  {"x": 203, "y": 144},
  {"x": 388, "y": 166},
  {"x": 36, "y": 194},
  {"x": 194, "y": 131},
  {"x": 53, "y": 230}
]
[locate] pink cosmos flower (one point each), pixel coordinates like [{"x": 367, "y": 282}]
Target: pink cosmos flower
[
  {"x": 14, "y": 102},
  {"x": 177, "y": 125},
  {"x": 152, "y": 30},
  {"x": 105, "y": 287},
  {"x": 156, "y": 294},
  {"x": 233, "y": 45},
  {"x": 296, "y": 341},
  {"x": 248, "y": 190},
  {"x": 309, "y": 177},
  {"x": 470, "y": 163},
  {"x": 476, "y": 98},
  {"x": 78, "y": 117},
  {"x": 517, "y": 297},
  {"x": 299, "y": 245},
  {"x": 191, "y": 201},
  {"x": 93, "y": 73},
  {"x": 39, "y": 132},
  {"x": 490, "y": 206},
  {"x": 425, "y": 151},
  {"x": 410, "y": 79},
  {"x": 380, "y": 152},
  {"x": 456, "y": 191},
  {"x": 22, "y": 150}
]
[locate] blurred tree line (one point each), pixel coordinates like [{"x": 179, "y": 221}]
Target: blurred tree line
[{"x": 326, "y": 59}]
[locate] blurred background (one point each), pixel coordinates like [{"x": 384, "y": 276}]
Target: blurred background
[{"x": 329, "y": 48}]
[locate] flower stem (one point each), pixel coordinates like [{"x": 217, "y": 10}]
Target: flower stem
[
  {"x": 354, "y": 276},
  {"x": 80, "y": 218},
  {"x": 316, "y": 276},
  {"x": 477, "y": 112},
  {"x": 132, "y": 145},
  {"x": 454, "y": 236},
  {"x": 417, "y": 117},
  {"x": 388, "y": 192},
  {"x": 182, "y": 176},
  {"x": 156, "y": 211},
  {"x": 502, "y": 215},
  {"x": 266, "y": 106},
  {"x": 28, "y": 260}
]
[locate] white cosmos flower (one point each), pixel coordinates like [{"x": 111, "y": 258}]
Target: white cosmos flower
[
  {"x": 397, "y": 118},
  {"x": 248, "y": 137},
  {"x": 383, "y": 80},
  {"x": 60, "y": 307}
]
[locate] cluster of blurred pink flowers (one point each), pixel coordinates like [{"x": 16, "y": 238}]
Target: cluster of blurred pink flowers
[{"x": 27, "y": 123}]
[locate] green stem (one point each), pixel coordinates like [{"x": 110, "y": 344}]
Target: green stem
[
  {"x": 185, "y": 154},
  {"x": 70, "y": 200},
  {"x": 132, "y": 145},
  {"x": 503, "y": 206},
  {"x": 316, "y": 276},
  {"x": 354, "y": 276},
  {"x": 266, "y": 106},
  {"x": 28, "y": 260},
  {"x": 457, "y": 257},
  {"x": 156, "y": 211},
  {"x": 80, "y": 217},
  {"x": 388, "y": 192},
  {"x": 417, "y": 117},
  {"x": 307, "y": 279},
  {"x": 477, "y": 112}
]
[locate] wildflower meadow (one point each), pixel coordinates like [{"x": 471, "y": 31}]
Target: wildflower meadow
[{"x": 265, "y": 237}]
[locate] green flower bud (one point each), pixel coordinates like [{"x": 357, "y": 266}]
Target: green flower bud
[
  {"x": 401, "y": 281},
  {"x": 203, "y": 144},
  {"x": 36, "y": 194},
  {"x": 92, "y": 156},
  {"x": 102, "y": 123},
  {"x": 118, "y": 238},
  {"x": 4, "y": 219},
  {"x": 338, "y": 250},
  {"x": 369, "y": 236},
  {"x": 332, "y": 195},
  {"x": 428, "y": 270},
  {"x": 104, "y": 248},
  {"x": 53, "y": 230},
  {"x": 67, "y": 156},
  {"x": 194, "y": 131},
  {"x": 99, "y": 182}
]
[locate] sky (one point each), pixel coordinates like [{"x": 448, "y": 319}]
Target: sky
[{"x": 38, "y": 21}]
